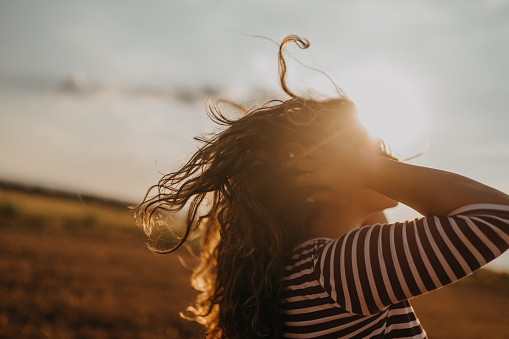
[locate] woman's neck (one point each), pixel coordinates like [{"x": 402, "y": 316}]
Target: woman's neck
[{"x": 334, "y": 220}]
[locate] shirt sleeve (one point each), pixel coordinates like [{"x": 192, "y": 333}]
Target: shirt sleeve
[{"x": 372, "y": 267}]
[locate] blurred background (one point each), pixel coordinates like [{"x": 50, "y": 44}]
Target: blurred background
[{"x": 98, "y": 97}]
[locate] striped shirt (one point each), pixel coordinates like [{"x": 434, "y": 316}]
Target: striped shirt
[{"x": 358, "y": 286}]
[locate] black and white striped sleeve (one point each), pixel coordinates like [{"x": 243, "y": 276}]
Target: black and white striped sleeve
[{"x": 372, "y": 267}]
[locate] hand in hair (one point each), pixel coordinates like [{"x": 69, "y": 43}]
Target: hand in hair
[
  {"x": 339, "y": 168},
  {"x": 427, "y": 190}
]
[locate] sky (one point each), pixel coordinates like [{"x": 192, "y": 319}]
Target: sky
[{"x": 99, "y": 97}]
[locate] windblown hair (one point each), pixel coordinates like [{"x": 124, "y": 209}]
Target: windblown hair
[{"x": 238, "y": 191}]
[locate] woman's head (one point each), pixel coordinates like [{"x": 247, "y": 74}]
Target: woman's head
[{"x": 238, "y": 189}]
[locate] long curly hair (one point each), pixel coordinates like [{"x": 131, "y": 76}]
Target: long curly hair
[{"x": 239, "y": 195}]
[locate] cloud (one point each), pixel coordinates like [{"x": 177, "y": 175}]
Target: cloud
[{"x": 77, "y": 85}]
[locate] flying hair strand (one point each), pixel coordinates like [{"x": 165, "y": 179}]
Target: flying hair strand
[{"x": 303, "y": 44}]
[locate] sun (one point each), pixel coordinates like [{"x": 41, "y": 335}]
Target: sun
[{"x": 390, "y": 106}]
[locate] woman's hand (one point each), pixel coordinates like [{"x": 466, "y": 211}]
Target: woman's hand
[{"x": 341, "y": 169}]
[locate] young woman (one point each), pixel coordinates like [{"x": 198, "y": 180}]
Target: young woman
[{"x": 289, "y": 200}]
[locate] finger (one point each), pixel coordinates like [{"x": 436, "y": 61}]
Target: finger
[
  {"x": 308, "y": 165},
  {"x": 319, "y": 151},
  {"x": 323, "y": 196},
  {"x": 303, "y": 179},
  {"x": 308, "y": 179}
]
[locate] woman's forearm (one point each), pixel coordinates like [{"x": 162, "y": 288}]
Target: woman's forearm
[{"x": 427, "y": 190}]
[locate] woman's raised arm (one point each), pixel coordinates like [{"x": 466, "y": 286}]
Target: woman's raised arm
[{"x": 427, "y": 190}]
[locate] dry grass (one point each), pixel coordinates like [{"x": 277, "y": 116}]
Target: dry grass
[
  {"x": 53, "y": 212},
  {"x": 75, "y": 270},
  {"x": 475, "y": 308},
  {"x": 65, "y": 274},
  {"x": 61, "y": 287}
]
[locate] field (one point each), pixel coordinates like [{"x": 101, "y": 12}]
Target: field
[{"x": 72, "y": 268}]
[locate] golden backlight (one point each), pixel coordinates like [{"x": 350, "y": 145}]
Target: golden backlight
[{"x": 390, "y": 106}]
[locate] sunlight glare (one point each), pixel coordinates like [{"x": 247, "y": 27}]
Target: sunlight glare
[{"x": 390, "y": 107}]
